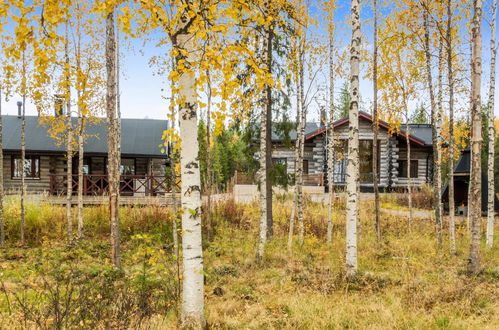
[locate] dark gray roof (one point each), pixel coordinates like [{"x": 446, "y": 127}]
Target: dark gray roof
[
  {"x": 139, "y": 137},
  {"x": 463, "y": 164},
  {"x": 309, "y": 128},
  {"x": 420, "y": 131}
]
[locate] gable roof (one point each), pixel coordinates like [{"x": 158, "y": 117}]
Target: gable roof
[
  {"x": 310, "y": 127},
  {"x": 418, "y": 134},
  {"x": 139, "y": 137},
  {"x": 463, "y": 164}
]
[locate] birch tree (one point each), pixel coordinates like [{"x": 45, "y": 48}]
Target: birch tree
[
  {"x": 330, "y": 7},
  {"x": 69, "y": 137},
  {"x": 265, "y": 141},
  {"x": 476, "y": 141},
  {"x": 112, "y": 133},
  {"x": 353, "y": 145},
  {"x": 436, "y": 166},
  {"x": 375, "y": 123},
  {"x": 450, "y": 79},
  {"x": 491, "y": 131}
]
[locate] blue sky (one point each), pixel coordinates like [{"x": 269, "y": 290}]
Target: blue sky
[{"x": 143, "y": 93}]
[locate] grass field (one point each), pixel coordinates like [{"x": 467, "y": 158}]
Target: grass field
[{"x": 404, "y": 283}]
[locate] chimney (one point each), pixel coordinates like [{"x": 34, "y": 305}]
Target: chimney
[
  {"x": 323, "y": 117},
  {"x": 58, "y": 105},
  {"x": 19, "y": 111}
]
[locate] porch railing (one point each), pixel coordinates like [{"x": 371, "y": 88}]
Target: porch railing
[
  {"x": 130, "y": 185},
  {"x": 308, "y": 179}
]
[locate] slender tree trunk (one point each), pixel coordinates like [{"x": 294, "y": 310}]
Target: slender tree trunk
[
  {"x": 23, "y": 159},
  {"x": 265, "y": 149},
  {"x": 450, "y": 72},
  {"x": 291, "y": 223},
  {"x": 208, "y": 160},
  {"x": 468, "y": 218},
  {"x": 175, "y": 210},
  {"x": 2, "y": 219},
  {"x": 438, "y": 147},
  {"x": 409, "y": 179},
  {"x": 268, "y": 133},
  {"x": 23, "y": 150},
  {"x": 81, "y": 124},
  {"x": 434, "y": 124},
  {"x": 353, "y": 145},
  {"x": 300, "y": 141},
  {"x": 113, "y": 165},
  {"x": 297, "y": 168},
  {"x": 69, "y": 143},
  {"x": 492, "y": 133},
  {"x": 476, "y": 142},
  {"x": 331, "y": 138},
  {"x": 173, "y": 167},
  {"x": 69, "y": 173},
  {"x": 193, "y": 278},
  {"x": 375, "y": 124}
]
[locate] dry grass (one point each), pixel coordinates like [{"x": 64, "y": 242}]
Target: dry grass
[{"x": 403, "y": 283}]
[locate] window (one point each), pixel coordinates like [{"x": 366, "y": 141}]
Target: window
[
  {"x": 127, "y": 166},
  {"x": 31, "y": 167},
  {"x": 403, "y": 168},
  {"x": 365, "y": 161},
  {"x": 279, "y": 161},
  {"x": 305, "y": 166}
]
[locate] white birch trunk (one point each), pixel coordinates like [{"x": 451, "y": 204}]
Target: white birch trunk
[
  {"x": 409, "y": 179},
  {"x": 291, "y": 224},
  {"x": 476, "y": 143},
  {"x": 375, "y": 124},
  {"x": 193, "y": 274},
  {"x": 300, "y": 141},
  {"x": 208, "y": 159},
  {"x": 263, "y": 171},
  {"x": 435, "y": 124},
  {"x": 450, "y": 72},
  {"x": 438, "y": 164},
  {"x": 331, "y": 138},
  {"x": 81, "y": 124},
  {"x": 69, "y": 143},
  {"x": 113, "y": 140},
  {"x": 23, "y": 158},
  {"x": 492, "y": 133},
  {"x": 352, "y": 212}
]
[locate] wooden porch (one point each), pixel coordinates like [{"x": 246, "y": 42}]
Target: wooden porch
[{"x": 97, "y": 185}]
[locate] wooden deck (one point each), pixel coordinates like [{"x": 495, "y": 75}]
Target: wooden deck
[{"x": 165, "y": 200}]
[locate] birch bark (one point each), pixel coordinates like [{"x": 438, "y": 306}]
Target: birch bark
[
  {"x": 492, "y": 134},
  {"x": 434, "y": 124},
  {"x": 69, "y": 143},
  {"x": 193, "y": 276},
  {"x": 476, "y": 142},
  {"x": 375, "y": 124},
  {"x": 300, "y": 141},
  {"x": 331, "y": 138},
  {"x": 113, "y": 141},
  {"x": 450, "y": 73},
  {"x": 264, "y": 166},
  {"x": 23, "y": 159},
  {"x": 353, "y": 145}
]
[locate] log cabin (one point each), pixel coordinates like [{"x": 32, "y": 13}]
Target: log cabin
[
  {"x": 392, "y": 154},
  {"x": 143, "y": 162}
]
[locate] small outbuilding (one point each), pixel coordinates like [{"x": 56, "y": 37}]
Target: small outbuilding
[{"x": 461, "y": 186}]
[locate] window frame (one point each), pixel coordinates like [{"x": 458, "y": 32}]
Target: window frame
[
  {"x": 33, "y": 168},
  {"x": 404, "y": 167}
]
